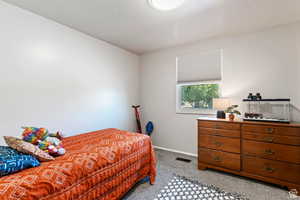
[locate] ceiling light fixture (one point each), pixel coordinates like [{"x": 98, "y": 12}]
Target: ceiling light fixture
[{"x": 166, "y": 5}]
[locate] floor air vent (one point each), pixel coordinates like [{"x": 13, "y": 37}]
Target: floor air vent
[{"x": 183, "y": 160}]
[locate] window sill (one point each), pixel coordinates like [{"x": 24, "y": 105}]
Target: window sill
[
  {"x": 199, "y": 114},
  {"x": 190, "y": 112}
]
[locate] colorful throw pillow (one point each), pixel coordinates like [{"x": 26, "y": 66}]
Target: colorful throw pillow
[
  {"x": 27, "y": 148},
  {"x": 12, "y": 161}
]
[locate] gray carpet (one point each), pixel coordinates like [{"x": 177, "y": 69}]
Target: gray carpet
[{"x": 168, "y": 166}]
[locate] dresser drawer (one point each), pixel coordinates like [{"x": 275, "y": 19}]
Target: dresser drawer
[
  {"x": 274, "y": 169},
  {"x": 220, "y": 159},
  {"x": 272, "y": 151},
  {"x": 279, "y": 139},
  {"x": 219, "y": 143},
  {"x": 219, "y": 125},
  {"x": 277, "y": 130},
  {"x": 220, "y": 132}
]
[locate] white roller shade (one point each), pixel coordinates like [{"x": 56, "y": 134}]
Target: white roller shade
[{"x": 202, "y": 66}]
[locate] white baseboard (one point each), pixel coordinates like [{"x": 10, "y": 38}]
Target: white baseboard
[{"x": 175, "y": 151}]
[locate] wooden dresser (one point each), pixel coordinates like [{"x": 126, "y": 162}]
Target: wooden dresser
[{"x": 265, "y": 151}]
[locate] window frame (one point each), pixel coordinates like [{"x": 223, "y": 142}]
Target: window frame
[{"x": 180, "y": 110}]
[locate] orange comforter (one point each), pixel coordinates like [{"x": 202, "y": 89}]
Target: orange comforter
[{"x": 98, "y": 165}]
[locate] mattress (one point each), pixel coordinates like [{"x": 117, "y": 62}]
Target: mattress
[{"x": 101, "y": 165}]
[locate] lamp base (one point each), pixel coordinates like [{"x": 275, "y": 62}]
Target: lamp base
[{"x": 221, "y": 114}]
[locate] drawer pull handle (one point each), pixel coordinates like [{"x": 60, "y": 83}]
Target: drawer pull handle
[
  {"x": 269, "y": 139},
  {"x": 269, "y": 169},
  {"x": 270, "y": 130},
  {"x": 269, "y": 152},
  {"x": 217, "y": 159},
  {"x": 218, "y": 143}
]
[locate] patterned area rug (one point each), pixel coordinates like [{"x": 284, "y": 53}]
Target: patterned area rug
[{"x": 181, "y": 188}]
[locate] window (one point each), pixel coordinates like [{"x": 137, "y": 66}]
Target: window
[
  {"x": 198, "y": 82},
  {"x": 197, "y": 97}
]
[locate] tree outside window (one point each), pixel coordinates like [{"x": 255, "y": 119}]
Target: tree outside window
[{"x": 199, "y": 96}]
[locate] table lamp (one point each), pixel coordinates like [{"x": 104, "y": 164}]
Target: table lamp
[{"x": 221, "y": 104}]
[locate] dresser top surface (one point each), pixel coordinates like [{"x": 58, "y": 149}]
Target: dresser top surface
[{"x": 238, "y": 120}]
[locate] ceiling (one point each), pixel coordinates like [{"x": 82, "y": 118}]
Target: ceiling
[{"x": 137, "y": 27}]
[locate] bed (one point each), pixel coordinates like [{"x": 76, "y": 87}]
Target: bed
[{"x": 102, "y": 165}]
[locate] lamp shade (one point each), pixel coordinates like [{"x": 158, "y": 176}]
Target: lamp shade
[{"x": 221, "y": 103}]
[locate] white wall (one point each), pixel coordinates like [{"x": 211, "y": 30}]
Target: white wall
[
  {"x": 296, "y": 79},
  {"x": 263, "y": 62},
  {"x": 55, "y": 77}
]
